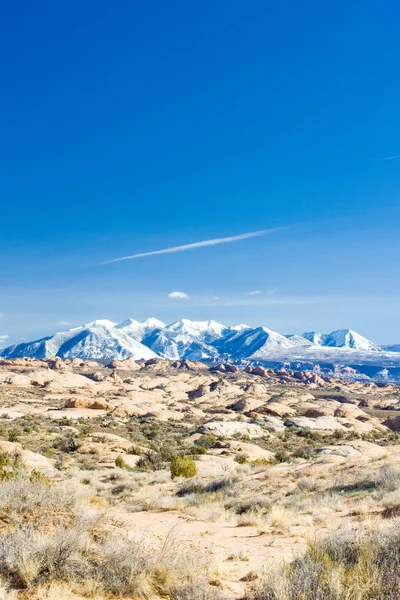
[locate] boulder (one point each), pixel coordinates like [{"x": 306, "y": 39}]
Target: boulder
[
  {"x": 96, "y": 404},
  {"x": 392, "y": 423},
  {"x": 129, "y": 364},
  {"x": 232, "y": 428},
  {"x": 319, "y": 424}
]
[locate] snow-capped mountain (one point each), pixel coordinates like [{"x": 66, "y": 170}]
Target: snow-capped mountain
[
  {"x": 346, "y": 338},
  {"x": 299, "y": 340},
  {"x": 252, "y": 343},
  {"x": 206, "y": 331},
  {"x": 208, "y": 341},
  {"x": 316, "y": 338},
  {"x": 186, "y": 340},
  {"x": 138, "y": 330},
  {"x": 96, "y": 340},
  {"x": 391, "y": 348}
]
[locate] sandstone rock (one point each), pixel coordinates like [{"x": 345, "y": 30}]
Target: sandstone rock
[
  {"x": 392, "y": 423},
  {"x": 320, "y": 423},
  {"x": 97, "y": 376},
  {"x": 276, "y": 409},
  {"x": 129, "y": 364},
  {"x": 202, "y": 390},
  {"x": 232, "y": 428},
  {"x": 246, "y": 404},
  {"x": 97, "y": 404},
  {"x": 56, "y": 363}
]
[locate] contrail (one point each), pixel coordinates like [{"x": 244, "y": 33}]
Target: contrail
[
  {"x": 214, "y": 242},
  {"x": 396, "y": 157}
]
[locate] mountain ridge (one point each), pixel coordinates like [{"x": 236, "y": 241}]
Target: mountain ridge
[{"x": 194, "y": 340}]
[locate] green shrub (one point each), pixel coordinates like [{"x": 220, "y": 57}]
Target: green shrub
[
  {"x": 11, "y": 466},
  {"x": 67, "y": 443},
  {"x": 183, "y": 466},
  {"x": 120, "y": 462},
  {"x": 13, "y": 435}
]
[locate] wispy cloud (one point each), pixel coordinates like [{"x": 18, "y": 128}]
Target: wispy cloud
[
  {"x": 4, "y": 337},
  {"x": 203, "y": 244},
  {"x": 254, "y": 293},
  {"x": 63, "y": 323},
  {"x": 181, "y": 295},
  {"x": 395, "y": 157}
]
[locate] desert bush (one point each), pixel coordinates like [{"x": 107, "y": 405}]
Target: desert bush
[
  {"x": 199, "y": 486},
  {"x": 183, "y": 466},
  {"x": 120, "y": 462},
  {"x": 25, "y": 499},
  {"x": 353, "y": 566},
  {"x": 11, "y": 465},
  {"x": 69, "y": 442},
  {"x": 150, "y": 461},
  {"x": 207, "y": 441},
  {"x": 51, "y": 538},
  {"x": 388, "y": 478}
]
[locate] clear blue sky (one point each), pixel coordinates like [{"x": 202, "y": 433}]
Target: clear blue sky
[{"x": 129, "y": 127}]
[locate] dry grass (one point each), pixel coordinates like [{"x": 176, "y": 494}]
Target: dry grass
[
  {"x": 354, "y": 566},
  {"x": 51, "y": 539}
]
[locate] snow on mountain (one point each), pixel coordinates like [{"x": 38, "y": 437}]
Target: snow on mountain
[
  {"x": 201, "y": 340},
  {"x": 299, "y": 340},
  {"x": 207, "y": 331},
  {"x": 185, "y": 339},
  {"x": 346, "y": 338},
  {"x": 138, "y": 330},
  {"x": 252, "y": 343},
  {"x": 240, "y": 327},
  {"x": 92, "y": 341},
  {"x": 174, "y": 345},
  {"x": 103, "y": 322},
  {"x": 315, "y": 337},
  {"x": 391, "y": 348}
]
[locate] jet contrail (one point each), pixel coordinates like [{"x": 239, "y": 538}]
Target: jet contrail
[
  {"x": 214, "y": 242},
  {"x": 395, "y": 157}
]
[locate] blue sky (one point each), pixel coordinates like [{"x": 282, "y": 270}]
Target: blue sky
[{"x": 131, "y": 127}]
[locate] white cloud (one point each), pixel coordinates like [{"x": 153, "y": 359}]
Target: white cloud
[
  {"x": 181, "y": 295},
  {"x": 395, "y": 157},
  {"x": 254, "y": 293},
  {"x": 4, "y": 337},
  {"x": 213, "y": 242},
  {"x": 63, "y": 323}
]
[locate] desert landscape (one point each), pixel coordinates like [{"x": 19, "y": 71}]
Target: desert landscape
[{"x": 174, "y": 479}]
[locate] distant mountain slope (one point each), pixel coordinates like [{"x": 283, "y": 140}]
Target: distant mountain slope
[
  {"x": 252, "y": 343},
  {"x": 346, "y": 338},
  {"x": 201, "y": 340},
  {"x": 138, "y": 330},
  {"x": 315, "y": 337},
  {"x": 392, "y": 348},
  {"x": 92, "y": 341}
]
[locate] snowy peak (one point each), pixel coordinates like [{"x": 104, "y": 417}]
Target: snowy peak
[
  {"x": 346, "y": 338},
  {"x": 299, "y": 340},
  {"x": 207, "y": 330},
  {"x": 138, "y": 330},
  {"x": 152, "y": 323},
  {"x": 96, "y": 341},
  {"x": 101, "y": 322},
  {"x": 316, "y": 338},
  {"x": 252, "y": 343},
  {"x": 193, "y": 340}
]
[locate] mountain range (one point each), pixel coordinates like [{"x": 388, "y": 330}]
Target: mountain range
[{"x": 210, "y": 341}]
